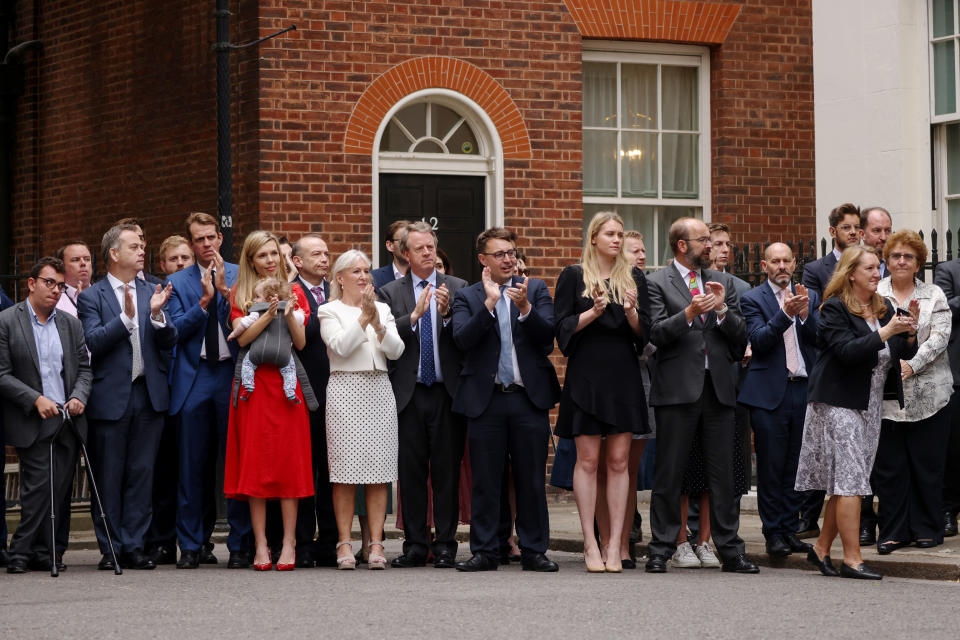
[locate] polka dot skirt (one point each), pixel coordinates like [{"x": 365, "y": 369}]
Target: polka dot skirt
[{"x": 362, "y": 439}]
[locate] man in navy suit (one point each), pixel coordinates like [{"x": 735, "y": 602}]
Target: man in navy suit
[
  {"x": 399, "y": 265},
  {"x": 200, "y": 393},
  {"x": 127, "y": 334},
  {"x": 504, "y": 326},
  {"x": 782, "y": 327}
]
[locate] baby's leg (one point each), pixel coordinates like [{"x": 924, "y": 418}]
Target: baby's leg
[
  {"x": 289, "y": 374},
  {"x": 247, "y": 372}
]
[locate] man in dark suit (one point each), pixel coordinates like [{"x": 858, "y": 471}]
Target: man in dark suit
[
  {"x": 129, "y": 337},
  {"x": 5, "y": 303},
  {"x": 425, "y": 380},
  {"x": 398, "y": 266},
  {"x": 315, "y": 515},
  {"x": 504, "y": 326},
  {"x": 43, "y": 366},
  {"x": 199, "y": 307},
  {"x": 947, "y": 277},
  {"x": 782, "y": 328},
  {"x": 143, "y": 274},
  {"x": 698, "y": 332}
]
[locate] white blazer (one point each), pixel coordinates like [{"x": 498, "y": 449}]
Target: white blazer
[{"x": 354, "y": 349}]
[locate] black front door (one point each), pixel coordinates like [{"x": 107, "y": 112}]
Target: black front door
[{"x": 453, "y": 205}]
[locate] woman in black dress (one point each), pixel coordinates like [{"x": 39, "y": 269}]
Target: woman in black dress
[{"x": 602, "y": 325}]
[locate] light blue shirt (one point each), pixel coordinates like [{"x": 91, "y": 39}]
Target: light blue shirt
[
  {"x": 435, "y": 320},
  {"x": 50, "y": 354}
]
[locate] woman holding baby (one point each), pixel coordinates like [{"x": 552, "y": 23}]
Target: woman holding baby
[{"x": 268, "y": 440}]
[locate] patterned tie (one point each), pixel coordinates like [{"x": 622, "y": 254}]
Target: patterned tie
[
  {"x": 505, "y": 366},
  {"x": 136, "y": 368},
  {"x": 318, "y": 294},
  {"x": 789, "y": 339},
  {"x": 695, "y": 290},
  {"x": 428, "y": 370},
  {"x": 212, "y": 337}
]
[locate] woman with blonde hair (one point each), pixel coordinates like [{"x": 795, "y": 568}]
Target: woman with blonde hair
[
  {"x": 362, "y": 437},
  {"x": 268, "y": 438},
  {"x": 861, "y": 338},
  {"x": 602, "y": 326}
]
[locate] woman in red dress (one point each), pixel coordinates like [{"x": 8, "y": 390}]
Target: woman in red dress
[{"x": 268, "y": 439}]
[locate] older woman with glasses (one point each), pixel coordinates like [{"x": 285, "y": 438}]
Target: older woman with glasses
[{"x": 908, "y": 472}]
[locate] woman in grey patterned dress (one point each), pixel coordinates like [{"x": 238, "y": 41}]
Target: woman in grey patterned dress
[{"x": 859, "y": 334}]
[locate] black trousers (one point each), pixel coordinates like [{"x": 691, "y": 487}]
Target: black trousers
[
  {"x": 32, "y": 537},
  {"x": 315, "y": 517},
  {"x": 431, "y": 444},
  {"x": 907, "y": 476},
  {"x": 510, "y": 425},
  {"x": 677, "y": 425},
  {"x": 951, "y": 471}
]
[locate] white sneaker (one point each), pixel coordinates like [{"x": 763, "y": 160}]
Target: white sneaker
[
  {"x": 708, "y": 559},
  {"x": 685, "y": 558}
]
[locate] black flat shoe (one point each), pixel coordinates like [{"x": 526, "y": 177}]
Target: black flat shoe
[
  {"x": 926, "y": 544},
  {"x": 796, "y": 544},
  {"x": 862, "y": 572},
  {"x": 444, "y": 560},
  {"x": 478, "y": 563},
  {"x": 163, "y": 555},
  {"x": 825, "y": 566},
  {"x": 408, "y": 560},
  {"x": 17, "y": 565},
  {"x": 206, "y": 554},
  {"x": 949, "y": 524},
  {"x": 656, "y": 564},
  {"x": 888, "y": 547},
  {"x": 188, "y": 560},
  {"x": 868, "y": 534},
  {"x": 628, "y": 563},
  {"x": 807, "y": 529},
  {"x": 777, "y": 547},
  {"x": 739, "y": 564},
  {"x": 138, "y": 561},
  {"x": 539, "y": 562},
  {"x": 239, "y": 560},
  {"x": 106, "y": 564}
]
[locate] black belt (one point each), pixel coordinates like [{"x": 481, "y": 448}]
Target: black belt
[
  {"x": 510, "y": 388},
  {"x": 796, "y": 378}
]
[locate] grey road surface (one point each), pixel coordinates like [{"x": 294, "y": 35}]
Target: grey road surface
[{"x": 213, "y": 602}]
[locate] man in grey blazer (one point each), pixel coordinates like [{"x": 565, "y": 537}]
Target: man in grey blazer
[
  {"x": 698, "y": 331},
  {"x": 425, "y": 380},
  {"x": 43, "y": 366}
]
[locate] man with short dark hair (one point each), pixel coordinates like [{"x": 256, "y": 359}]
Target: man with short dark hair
[
  {"x": 844, "y": 228},
  {"x": 397, "y": 268},
  {"x": 136, "y": 222},
  {"x": 43, "y": 366},
  {"x": 78, "y": 266}
]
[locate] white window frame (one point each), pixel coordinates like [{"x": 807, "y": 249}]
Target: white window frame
[
  {"x": 945, "y": 117},
  {"x": 671, "y": 55}
]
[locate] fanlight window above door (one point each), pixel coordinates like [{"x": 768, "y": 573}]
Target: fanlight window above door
[{"x": 427, "y": 127}]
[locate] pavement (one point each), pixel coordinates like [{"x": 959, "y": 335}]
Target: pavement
[{"x": 938, "y": 563}]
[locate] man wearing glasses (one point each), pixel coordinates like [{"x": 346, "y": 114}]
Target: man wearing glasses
[
  {"x": 698, "y": 331},
  {"x": 43, "y": 366}
]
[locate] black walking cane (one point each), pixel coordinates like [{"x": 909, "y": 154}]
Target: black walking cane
[{"x": 66, "y": 420}]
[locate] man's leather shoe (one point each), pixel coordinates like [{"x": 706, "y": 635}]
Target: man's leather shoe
[
  {"x": 305, "y": 560},
  {"x": 239, "y": 560},
  {"x": 777, "y": 547},
  {"x": 323, "y": 559},
  {"x": 407, "y": 561},
  {"x": 444, "y": 560},
  {"x": 163, "y": 555},
  {"x": 949, "y": 524},
  {"x": 39, "y": 564},
  {"x": 862, "y": 572},
  {"x": 539, "y": 562},
  {"x": 17, "y": 565},
  {"x": 868, "y": 534},
  {"x": 796, "y": 544},
  {"x": 826, "y": 565},
  {"x": 888, "y": 547},
  {"x": 188, "y": 560},
  {"x": 656, "y": 564},
  {"x": 137, "y": 560},
  {"x": 478, "y": 563},
  {"x": 739, "y": 564},
  {"x": 206, "y": 554},
  {"x": 106, "y": 564},
  {"x": 926, "y": 544},
  {"x": 807, "y": 529}
]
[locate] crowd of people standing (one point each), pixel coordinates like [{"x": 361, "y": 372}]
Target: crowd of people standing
[{"x": 320, "y": 385}]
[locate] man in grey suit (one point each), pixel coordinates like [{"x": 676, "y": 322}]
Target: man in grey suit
[
  {"x": 43, "y": 366},
  {"x": 698, "y": 331},
  {"x": 425, "y": 380}
]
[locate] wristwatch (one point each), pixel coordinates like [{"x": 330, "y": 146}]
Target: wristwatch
[{"x": 722, "y": 310}]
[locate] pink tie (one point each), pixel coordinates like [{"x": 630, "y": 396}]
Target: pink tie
[{"x": 789, "y": 340}]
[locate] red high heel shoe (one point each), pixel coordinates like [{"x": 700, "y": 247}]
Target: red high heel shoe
[
  {"x": 286, "y": 567},
  {"x": 266, "y": 566}
]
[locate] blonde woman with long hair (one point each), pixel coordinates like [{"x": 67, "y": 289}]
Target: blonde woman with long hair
[{"x": 602, "y": 325}]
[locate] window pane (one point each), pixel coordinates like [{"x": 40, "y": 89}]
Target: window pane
[
  {"x": 639, "y": 88},
  {"x": 665, "y": 217},
  {"x": 635, "y": 216},
  {"x": 680, "y": 109},
  {"x": 463, "y": 141},
  {"x": 599, "y": 94},
  {"x": 953, "y": 216},
  {"x": 600, "y": 163},
  {"x": 944, "y": 78},
  {"x": 681, "y": 165},
  {"x": 414, "y": 118},
  {"x": 443, "y": 120},
  {"x": 942, "y": 18},
  {"x": 638, "y": 164},
  {"x": 953, "y": 159},
  {"x": 394, "y": 139},
  {"x": 428, "y": 146}
]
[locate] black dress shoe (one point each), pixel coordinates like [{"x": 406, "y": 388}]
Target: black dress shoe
[
  {"x": 777, "y": 547},
  {"x": 926, "y": 544},
  {"x": 407, "y": 561},
  {"x": 539, "y": 562},
  {"x": 17, "y": 565},
  {"x": 807, "y": 529},
  {"x": 164, "y": 555},
  {"x": 656, "y": 564},
  {"x": 39, "y": 564},
  {"x": 949, "y": 524},
  {"x": 628, "y": 563},
  {"x": 478, "y": 563},
  {"x": 106, "y": 564},
  {"x": 138, "y": 561},
  {"x": 60, "y": 565},
  {"x": 868, "y": 534},
  {"x": 739, "y": 564},
  {"x": 305, "y": 560},
  {"x": 796, "y": 544},
  {"x": 322, "y": 559},
  {"x": 206, "y": 554},
  {"x": 862, "y": 572},
  {"x": 444, "y": 560},
  {"x": 188, "y": 560},
  {"x": 888, "y": 547},
  {"x": 825, "y": 566},
  {"x": 239, "y": 560}
]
